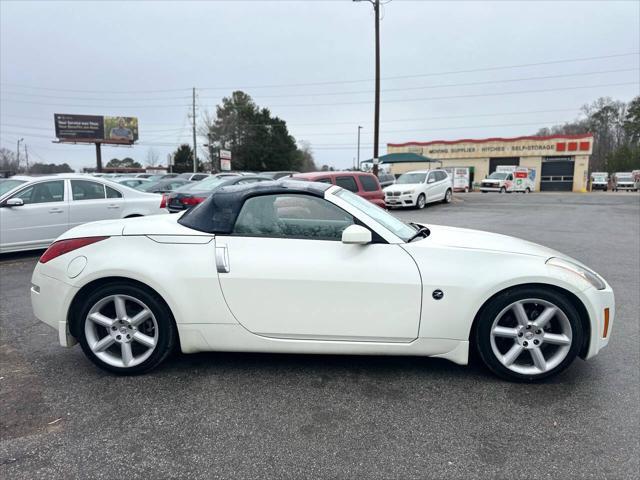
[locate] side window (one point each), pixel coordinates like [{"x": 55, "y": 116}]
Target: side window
[
  {"x": 369, "y": 183},
  {"x": 509, "y": 177},
  {"x": 199, "y": 177},
  {"x": 324, "y": 180},
  {"x": 84, "y": 190},
  {"x": 441, "y": 175},
  {"x": 44, "y": 192},
  {"x": 113, "y": 193},
  {"x": 432, "y": 177},
  {"x": 292, "y": 216},
  {"x": 348, "y": 183}
]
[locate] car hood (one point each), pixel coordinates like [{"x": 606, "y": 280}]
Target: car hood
[
  {"x": 480, "y": 240},
  {"x": 402, "y": 187}
]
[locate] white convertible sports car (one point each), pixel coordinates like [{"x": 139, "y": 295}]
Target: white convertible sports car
[{"x": 303, "y": 267}]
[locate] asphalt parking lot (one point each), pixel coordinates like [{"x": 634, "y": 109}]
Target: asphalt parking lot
[{"x": 291, "y": 416}]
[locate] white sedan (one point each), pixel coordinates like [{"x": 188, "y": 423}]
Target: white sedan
[
  {"x": 305, "y": 267},
  {"x": 37, "y": 210}
]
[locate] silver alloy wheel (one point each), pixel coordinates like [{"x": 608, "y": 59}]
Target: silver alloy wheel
[
  {"x": 533, "y": 325},
  {"x": 121, "y": 331},
  {"x": 422, "y": 201},
  {"x": 447, "y": 196}
]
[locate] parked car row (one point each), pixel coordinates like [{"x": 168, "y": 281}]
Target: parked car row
[{"x": 34, "y": 211}]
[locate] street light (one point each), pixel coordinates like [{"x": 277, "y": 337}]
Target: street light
[
  {"x": 18, "y": 153},
  {"x": 358, "y": 164}
]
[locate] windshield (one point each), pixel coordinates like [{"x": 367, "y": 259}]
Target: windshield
[
  {"x": 6, "y": 185},
  {"x": 498, "y": 176},
  {"x": 206, "y": 184},
  {"x": 599, "y": 178},
  {"x": 411, "y": 178},
  {"x": 150, "y": 186},
  {"x": 401, "y": 229},
  {"x": 625, "y": 178}
]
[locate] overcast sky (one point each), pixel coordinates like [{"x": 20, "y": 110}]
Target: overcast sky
[{"x": 312, "y": 64}]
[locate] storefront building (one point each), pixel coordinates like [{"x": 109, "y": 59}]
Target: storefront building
[{"x": 559, "y": 162}]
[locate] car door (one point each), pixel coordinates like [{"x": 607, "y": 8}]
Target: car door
[
  {"x": 348, "y": 183},
  {"x": 432, "y": 187},
  {"x": 93, "y": 201},
  {"x": 286, "y": 274},
  {"x": 444, "y": 183},
  {"x": 43, "y": 216}
]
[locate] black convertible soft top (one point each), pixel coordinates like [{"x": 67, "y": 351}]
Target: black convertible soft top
[{"x": 218, "y": 213}]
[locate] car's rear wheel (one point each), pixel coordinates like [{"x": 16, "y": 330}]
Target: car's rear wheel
[
  {"x": 528, "y": 334},
  {"x": 447, "y": 196},
  {"x": 126, "y": 329},
  {"x": 422, "y": 201}
]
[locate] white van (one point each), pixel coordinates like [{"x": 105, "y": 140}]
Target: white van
[
  {"x": 509, "y": 179},
  {"x": 599, "y": 181}
]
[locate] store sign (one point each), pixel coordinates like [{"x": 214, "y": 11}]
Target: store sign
[
  {"x": 526, "y": 146},
  {"x": 225, "y": 160}
]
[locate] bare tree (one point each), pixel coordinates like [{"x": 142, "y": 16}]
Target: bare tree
[
  {"x": 153, "y": 158},
  {"x": 8, "y": 161}
]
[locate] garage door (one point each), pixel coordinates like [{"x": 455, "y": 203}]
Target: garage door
[
  {"x": 498, "y": 162},
  {"x": 557, "y": 174}
]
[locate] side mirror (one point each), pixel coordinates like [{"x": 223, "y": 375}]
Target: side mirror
[
  {"x": 14, "y": 202},
  {"x": 356, "y": 235},
  {"x": 431, "y": 180}
]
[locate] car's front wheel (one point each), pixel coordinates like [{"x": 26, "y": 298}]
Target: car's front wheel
[
  {"x": 126, "y": 329},
  {"x": 528, "y": 334},
  {"x": 503, "y": 190}
]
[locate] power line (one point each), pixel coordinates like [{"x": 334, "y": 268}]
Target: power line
[
  {"x": 451, "y": 72},
  {"x": 353, "y": 92},
  {"x": 331, "y": 82},
  {"x": 448, "y": 97},
  {"x": 333, "y": 104}
]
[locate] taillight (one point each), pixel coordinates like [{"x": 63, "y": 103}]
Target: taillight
[
  {"x": 192, "y": 200},
  {"x": 65, "y": 246},
  {"x": 163, "y": 202}
]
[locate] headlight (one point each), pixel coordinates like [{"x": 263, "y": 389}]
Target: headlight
[
  {"x": 408, "y": 192},
  {"x": 585, "y": 273}
]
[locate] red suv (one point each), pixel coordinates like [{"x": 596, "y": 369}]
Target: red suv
[{"x": 364, "y": 184}]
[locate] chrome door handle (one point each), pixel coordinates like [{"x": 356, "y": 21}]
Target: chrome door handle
[
  {"x": 112, "y": 207},
  {"x": 222, "y": 259},
  {"x": 56, "y": 210}
]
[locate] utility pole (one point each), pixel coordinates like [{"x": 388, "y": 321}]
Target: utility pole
[
  {"x": 18, "y": 153},
  {"x": 376, "y": 115},
  {"x": 358, "y": 164},
  {"x": 98, "y": 157},
  {"x": 26, "y": 157},
  {"x": 195, "y": 148}
]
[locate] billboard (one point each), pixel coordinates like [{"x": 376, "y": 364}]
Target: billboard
[{"x": 95, "y": 129}]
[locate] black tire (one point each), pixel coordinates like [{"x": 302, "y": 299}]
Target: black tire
[
  {"x": 421, "y": 205},
  {"x": 481, "y": 336},
  {"x": 167, "y": 333},
  {"x": 503, "y": 190},
  {"x": 448, "y": 195},
  {"x": 527, "y": 190}
]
